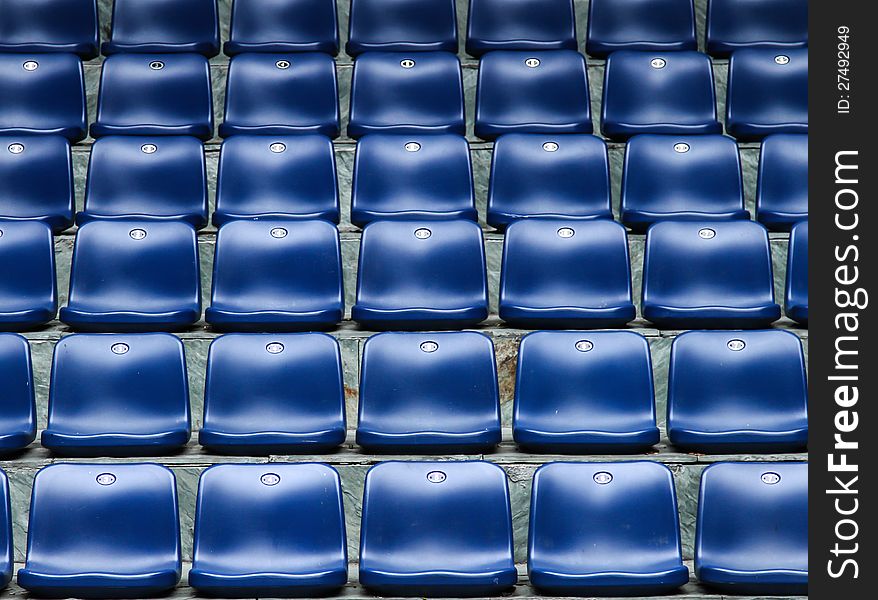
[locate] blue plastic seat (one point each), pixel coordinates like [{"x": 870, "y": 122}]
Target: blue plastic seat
[
  {"x": 650, "y": 25},
  {"x": 42, "y": 93},
  {"x": 276, "y": 276},
  {"x": 36, "y": 180},
  {"x": 155, "y": 94},
  {"x": 782, "y": 190},
  {"x": 436, "y": 529},
  {"x": 6, "y": 548},
  {"x": 566, "y": 274},
  {"x": 414, "y": 93},
  {"x": 652, "y": 92},
  {"x": 49, "y": 26},
  {"x": 269, "y": 530},
  {"x": 164, "y": 26},
  {"x": 283, "y": 26},
  {"x": 133, "y": 276},
  {"x": 796, "y": 296},
  {"x": 28, "y": 296},
  {"x": 736, "y": 24},
  {"x": 532, "y": 92},
  {"x": 294, "y": 389},
  {"x": 162, "y": 178},
  {"x": 412, "y": 177},
  {"x": 421, "y": 275},
  {"x": 18, "y": 412},
  {"x": 681, "y": 178},
  {"x": 584, "y": 392},
  {"x": 521, "y": 25},
  {"x": 740, "y": 392},
  {"x": 539, "y": 175},
  {"x": 102, "y": 531},
  {"x": 605, "y": 529},
  {"x": 767, "y": 93},
  {"x": 708, "y": 275},
  {"x": 281, "y": 94},
  {"x": 402, "y": 26},
  {"x": 752, "y": 529}
]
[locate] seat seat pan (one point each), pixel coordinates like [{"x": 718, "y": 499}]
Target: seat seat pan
[
  {"x": 711, "y": 317},
  {"x": 567, "y": 317},
  {"x": 271, "y": 442},
  {"x": 20, "y": 320},
  {"x": 786, "y": 582},
  {"x": 608, "y": 582},
  {"x": 439, "y": 583},
  {"x": 271, "y": 320},
  {"x": 640, "y": 220},
  {"x": 98, "y": 585},
  {"x": 248, "y": 585},
  {"x": 12, "y": 441},
  {"x": 419, "y": 318},
  {"x": 535, "y": 439},
  {"x": 114, "y": 444},
  {"x": 740, "y": 441},
  {"x": 116, "y": 321},
  {"x": 423, "y": 442}
]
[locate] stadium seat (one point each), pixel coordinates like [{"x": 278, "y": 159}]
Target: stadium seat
[
  {"x": 415, "y": 93},
  {"x": 102, "y": 531},
  {"x": 782, "y": 190},
  {"x": 6, "y": 548},
  {"x": 648, "y": 92},
  {"x": 436, "y": 529},
  {"x": 605, "y": 529},
  {"x": 532, "y": 92},
  {"x": 28, "y": 297},
  {"x": 565, "y": 274},
  {"x": 36, "y": 180},
  {"x": 522, "y": 25},
  {"x": 161, "y": 178},
  {"x": 539, "y": 175},
  {"x": 740, "y": 392},
  {"x": 584, "y": 393},
  {"x": 279, "y": 177},
  {"x": 276, "y": 276},
  {"x": 412, "y": 177},
  {"x": 164, "y": 26},
  {"x": 421, "y": 275},
  {"x": 49, "y": 26},
  {"x": 796, "y": 296},
  {"x": 42, "y": 93},
  {"x": 269, "y": 530},
  {"x": 736, "y": 24},
  {"x": 281, "y": 94},
  {"x": 18, "y": 420},
  {"x": 650, "y": 25},
  {"x": 767, "y": 93},
  {"x": 133, "y": 276},
  {"x": 402, "y": 26},
  {"x": 294, "y": 390},
  {"x": 283, "y": 26},
  {"x": 708, "y": 275},
  {"x": 155, "y": 94},
  {"x": 752, "y": 529},
  {"x": 118, "y": 395},
  {"x": 429, "y": 393},
  {"x": 681, "y": 178}
]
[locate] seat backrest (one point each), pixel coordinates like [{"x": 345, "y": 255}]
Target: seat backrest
[
  {"x": 17, "y": 404},
  {"x": 27, "y": 266},
  {"x": 36, "y": 179},
  {"x": 736, "y": 24},
  {"x": 402, "y": 25},
  {"x": 164, "y": 26},
  {"x": 783, "y": 177},
  {"x": 649, "y": 25},
  {"x": 797, "y": 266},
  {"x": 6, "y": 546},
  {"x": 283, "y": 26},
  {"x": 522, "y": 25},
  {"x": 49, "y": 26}
]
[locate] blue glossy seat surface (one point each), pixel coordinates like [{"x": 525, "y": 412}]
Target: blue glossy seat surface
[
  {"x": 123, "y": 280},
  {"x": 605, "y": 529},
  {"x": 532, "y": 92},
  {"x": 522, "y": 25},
  {"x": 414, "y": 93},
  {"x": 269, "y": 530},
  {"x": 49, "y": 26},
  {"x": 160, "y": 177},
  {"x": 782, "y": 189},
  {"x": 736, "y": 24},
  {"x": 164, "y": 26},
  {"x": 767, "y": 93},
  {"x": 554, "y": 280},
  {"x": 42, "y": 94},
  {"x": 658, "y": 92},
  {"x": 652, "y": 25},
  {"x": 708, "y": 275},
  {"x": 276, "y": 276},
  {"x": 277, "y": 94},
  {"x": 116, "y": 539},
  {"x": 412, "y": 177},
  {"x": 681, "y": 178},
  {"x": 402, "y": 26},
  {"x": 584, "y": 392},
  {"x": 36, "y": 180},
  {"x": 421, "y": 275},
  {"x": 6, "y": 548},
  {"x": 796, "y": 294},
  {"x": 739, "y": 391},
  {"x": 155, "y": 94},
  {"x": 448, "y": 538},
  {"x": 18, "y": 411},
  {"x": 752, "y": 535},
  {"x": 28, "y": 296},
  {"x": 294, "y": 390},
  {"x": 283, "y": 26}
]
